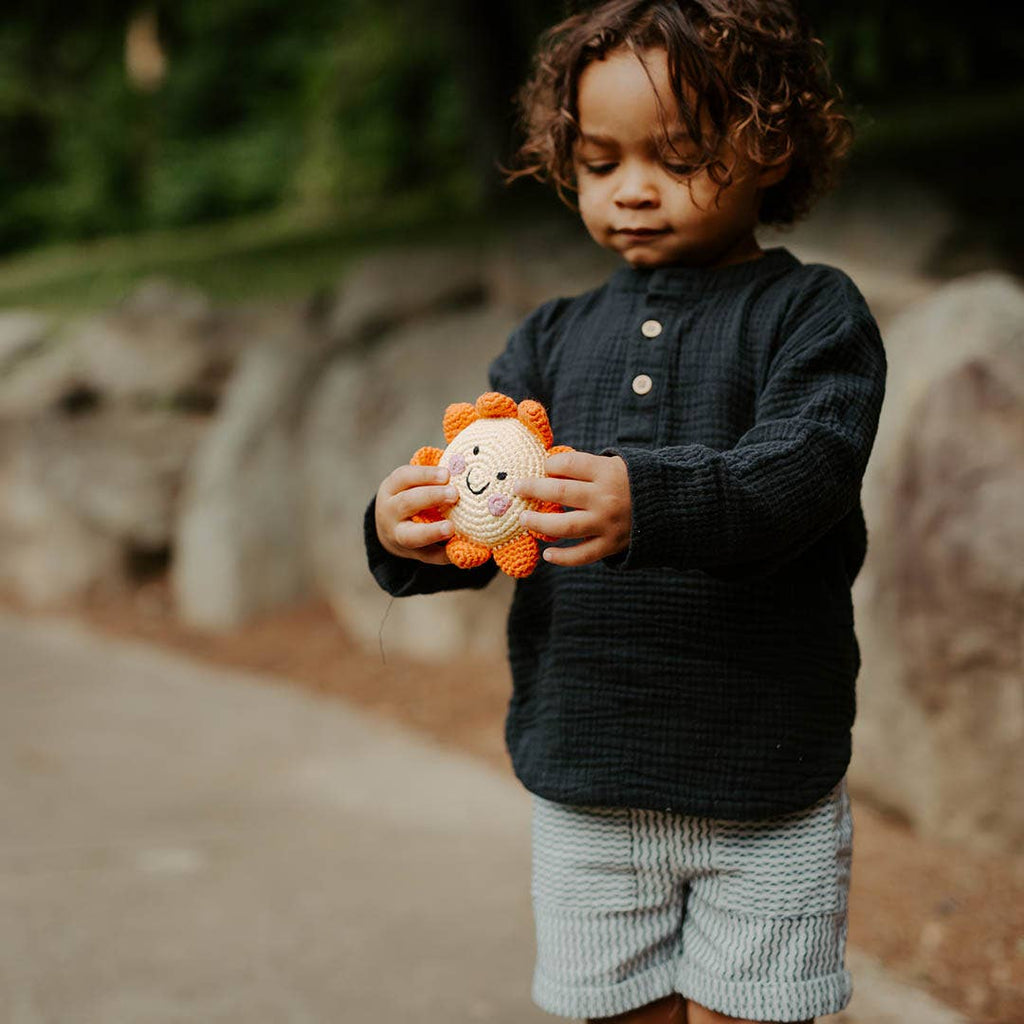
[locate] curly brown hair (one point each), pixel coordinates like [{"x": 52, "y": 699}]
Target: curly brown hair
[{"x": 748, "y": 73}]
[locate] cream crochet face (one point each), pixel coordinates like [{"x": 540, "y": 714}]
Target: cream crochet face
[{"x": 484, "y": 461}]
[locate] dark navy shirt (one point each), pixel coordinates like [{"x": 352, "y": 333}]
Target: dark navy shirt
[{"x": 710, "y": 667}]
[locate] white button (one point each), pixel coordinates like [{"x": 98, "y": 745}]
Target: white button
[
  {"x": 642, "y": 383},
  {"x": 650, "y": 328}
]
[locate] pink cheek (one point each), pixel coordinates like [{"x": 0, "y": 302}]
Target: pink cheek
[
  {"x": 457, "y": 464},
  {"x": 498, "y": 504}
]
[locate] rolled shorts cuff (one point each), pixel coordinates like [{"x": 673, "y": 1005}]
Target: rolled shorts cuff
[
  {"x": 606, "y": 1000},
  {"x": 796, "y": 1000}
]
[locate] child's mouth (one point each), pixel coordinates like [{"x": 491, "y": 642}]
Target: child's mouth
[{"x": 640, "y": 232}]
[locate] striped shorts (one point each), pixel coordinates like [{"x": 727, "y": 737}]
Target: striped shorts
[{"x": 745, "y": 918}]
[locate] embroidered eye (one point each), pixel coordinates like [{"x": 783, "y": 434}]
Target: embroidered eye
[{"x": 502, "y": 475}]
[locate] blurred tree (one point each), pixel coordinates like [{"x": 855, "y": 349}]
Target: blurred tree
[
  {"x": 144, "y": 57},
  {"x": 493, "y": 42},
  {"x": 61, "y": 166},
  {"x": 885, "y": 51}
]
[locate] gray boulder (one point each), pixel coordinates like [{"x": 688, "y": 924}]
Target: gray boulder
[
  {"x": 395, "y": 286},
  {"x": 537, "y": 264},
  {"x": 158, "y": 345},
  {"x": 239, "y": 548},
  {"x": 164, "y": 345},
  {"x": 21, "y": 331},
  {"x": 36, "y": 367},
  {"x": 48, "y": 555},
  {"x": 940, "y": 603},
  {"x": 78, "y": 496}
]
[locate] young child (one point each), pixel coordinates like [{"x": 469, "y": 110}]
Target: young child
[{"x": 684, "y": 658}]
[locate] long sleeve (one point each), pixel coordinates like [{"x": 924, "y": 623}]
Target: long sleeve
[
  {"x": 515, "y": 373},
  {"x": 794, "y": 475}
]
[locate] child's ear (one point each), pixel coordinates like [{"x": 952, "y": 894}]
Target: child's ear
[{"x": 772, "y": 174}]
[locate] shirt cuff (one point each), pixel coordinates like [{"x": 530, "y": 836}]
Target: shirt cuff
[
  {"x": 393, "y": 574},
  {"x": 633, "y": 556},
  {"x": 649, "y": 506}
]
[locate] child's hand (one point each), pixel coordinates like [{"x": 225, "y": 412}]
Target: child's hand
[
  {"x": 406, "y": 491},
  {"x": 597, "y": 487}
]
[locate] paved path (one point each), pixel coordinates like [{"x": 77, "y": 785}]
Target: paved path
[{"x": 181, "y": 843}]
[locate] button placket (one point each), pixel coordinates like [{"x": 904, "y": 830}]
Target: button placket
[
  {"x": 643, "y": 382},
  {"x": 638, "y": 419}
]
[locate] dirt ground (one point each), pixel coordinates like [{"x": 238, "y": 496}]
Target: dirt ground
[{"x": 946, "y": 919}]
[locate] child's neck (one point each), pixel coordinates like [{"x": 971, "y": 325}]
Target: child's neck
[{"x": 743, "y": 250}]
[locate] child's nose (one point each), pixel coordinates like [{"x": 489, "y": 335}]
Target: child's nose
[{"x": 636, "y": 187}]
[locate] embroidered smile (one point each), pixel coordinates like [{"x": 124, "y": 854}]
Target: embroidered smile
[{"x": 473, "y": 489}]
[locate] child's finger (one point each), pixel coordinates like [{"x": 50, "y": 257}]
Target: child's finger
[
  {"x": 414, "y": 476},
  {"x": 579, "y": 554},
  {"x": 557, "y": 524},
  {"x": 435, "y": 555},
  {"x": 415, "y": 499},
  {"x": 575, "y": 465},
  {"x": 572, "y": 493},
  {"x": 420, "y": 535}
]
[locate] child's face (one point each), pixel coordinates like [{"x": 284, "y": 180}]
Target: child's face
[{"x": 636, "y": 196}]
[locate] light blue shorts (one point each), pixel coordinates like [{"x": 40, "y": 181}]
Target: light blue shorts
[{"x": 745, "y": 918}]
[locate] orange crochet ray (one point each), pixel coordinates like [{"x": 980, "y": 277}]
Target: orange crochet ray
[{"x": 491, "y": 445}]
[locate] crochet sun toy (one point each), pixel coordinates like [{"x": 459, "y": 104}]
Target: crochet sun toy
[{"x": 491, "y": 445}]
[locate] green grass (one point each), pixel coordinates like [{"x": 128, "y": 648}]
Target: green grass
[{"x": 279, "y": 255}]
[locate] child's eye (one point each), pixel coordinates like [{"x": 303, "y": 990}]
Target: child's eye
[
  {"x": 599, "y": 169},
  {"x": 682, "y": 170}
]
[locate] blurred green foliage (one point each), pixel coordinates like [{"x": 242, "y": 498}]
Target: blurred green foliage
[
  {"x": 342, "y": 105},
  {"x": 264, "y": 102}
]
